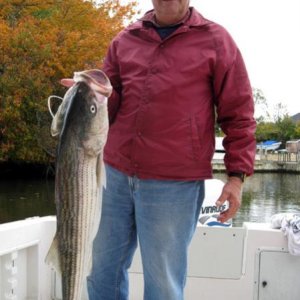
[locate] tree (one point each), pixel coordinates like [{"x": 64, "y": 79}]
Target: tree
[
  {"x": 261, "y": 105},
  {"x": 266, "y": 131},
  {"x": 277, "y": 126},
  {"x": 286, "y": 129},
  {"x": 41, "y": 42},
  {"x": 297, "y": 131},
  {"x": 280, "y": 112}
]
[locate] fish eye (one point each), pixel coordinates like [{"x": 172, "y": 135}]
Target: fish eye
[{"x": 93, "y": 108}]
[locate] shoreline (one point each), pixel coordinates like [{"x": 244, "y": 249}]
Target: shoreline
[{"x": 25, "y": 170}]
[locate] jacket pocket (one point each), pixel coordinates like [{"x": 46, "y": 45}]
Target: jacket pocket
[{"x": 195, "y": 137}]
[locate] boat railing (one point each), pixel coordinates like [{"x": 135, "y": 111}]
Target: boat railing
[{"x": 23, "y": 246}]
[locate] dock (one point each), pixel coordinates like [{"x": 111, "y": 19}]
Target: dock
[{"x": 279, "y": 162}]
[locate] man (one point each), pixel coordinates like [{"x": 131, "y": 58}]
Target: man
[{"x": 170, "y": 72}]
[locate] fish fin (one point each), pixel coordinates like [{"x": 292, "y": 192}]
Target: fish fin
[
  {"x": 52, "y": 257},
  {"x": 84, "y": 295},
  {"x": 101, "y": 174},
  {"x": 90, "y": 265}
]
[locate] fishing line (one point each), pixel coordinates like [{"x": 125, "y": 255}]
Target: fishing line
[{"x": 49, "y": 103}]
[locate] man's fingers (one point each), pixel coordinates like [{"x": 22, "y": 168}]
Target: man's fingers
[
  {"x": 67, "y": 82},
  {"x": 232, "y": 193},
  {"x": 100, "y": 88},
  {"x": 223, "y": 197},
  {"x": 229, "y": 213}
]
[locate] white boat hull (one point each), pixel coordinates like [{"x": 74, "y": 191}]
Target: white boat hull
[{"x": 237, "y": 263}]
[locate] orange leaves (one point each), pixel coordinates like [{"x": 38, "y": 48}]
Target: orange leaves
[{"x": 43, "y": 41}]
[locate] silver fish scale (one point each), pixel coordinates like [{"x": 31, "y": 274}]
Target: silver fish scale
[{"x": 79, "y": 203}]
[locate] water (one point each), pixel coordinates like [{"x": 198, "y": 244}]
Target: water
[
  {"x": 263, "y": 196},
  {"x": 266, "y": 194},
  {"x": 20, "y": 199}
]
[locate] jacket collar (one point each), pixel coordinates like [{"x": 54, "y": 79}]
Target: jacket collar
[{"x": 194, "y": 19}]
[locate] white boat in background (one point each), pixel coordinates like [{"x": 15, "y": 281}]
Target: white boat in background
[
  {"x": 234, "y": 263},
  {"x": 219, "y": 149},
  {"x": 219, "y": 144}
]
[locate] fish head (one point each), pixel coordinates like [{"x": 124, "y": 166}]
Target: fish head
[
  {"x": 83, "y": 119},
  {"x": 89, "y": 118},
  {"x": 58, "y": 118}
]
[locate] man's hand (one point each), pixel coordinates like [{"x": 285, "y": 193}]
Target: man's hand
[
  {"x": 67, "y": 82},
  {"x": 232, "y": 191},
  {"x": 96, "y": 79}
]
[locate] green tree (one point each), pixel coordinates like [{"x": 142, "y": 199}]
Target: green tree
[
  {"x": 266, "y": 131},
  {"x": 297, "y": 131},
  {"x": 286, "y": 129},
  {"x": 280, "y": 112},
  {"x": 277, "y": 126}
]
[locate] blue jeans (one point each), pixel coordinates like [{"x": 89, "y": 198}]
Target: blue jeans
[{"x": 162, "y": 215}]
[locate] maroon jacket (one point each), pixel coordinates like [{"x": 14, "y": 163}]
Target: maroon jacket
[{"x": 162, "y": 110}]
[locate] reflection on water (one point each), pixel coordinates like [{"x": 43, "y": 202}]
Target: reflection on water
[
  {"x": 20, "y": 199},
  {"x": 267, "y": 194},
  {"x": 263, "y": 196}
]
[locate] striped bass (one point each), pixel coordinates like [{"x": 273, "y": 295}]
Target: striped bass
[{"x": 81, "y": 124}]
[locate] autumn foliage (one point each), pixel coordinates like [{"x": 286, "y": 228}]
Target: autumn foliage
[{"x": 41, "y": 42}]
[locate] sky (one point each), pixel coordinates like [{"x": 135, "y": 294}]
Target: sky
[{"x": 268, "y": 35}]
